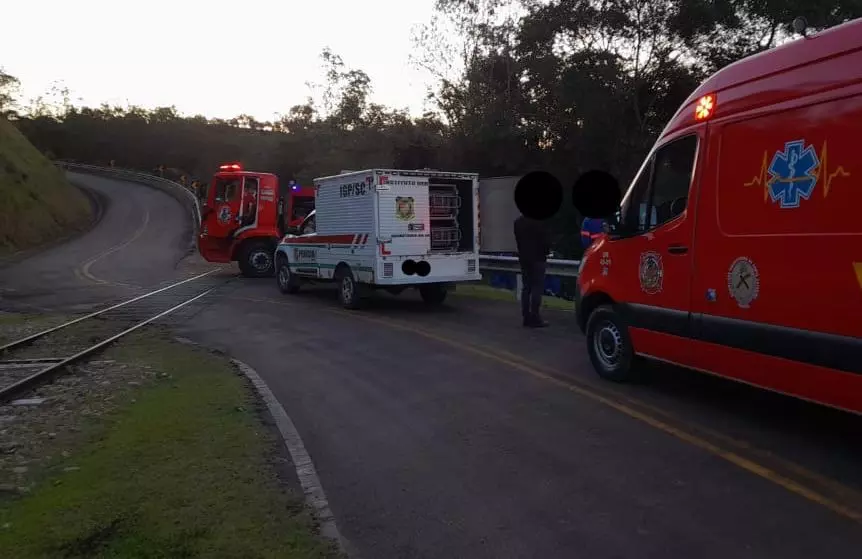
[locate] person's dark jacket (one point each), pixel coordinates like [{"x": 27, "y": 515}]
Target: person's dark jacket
[{"x": 533, "y": 239}]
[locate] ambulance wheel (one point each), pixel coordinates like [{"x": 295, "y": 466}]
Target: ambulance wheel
[
  {"x": 348, "y": 289},
  {"x": 609, "y": 345},
  {"x": 287, "y": 282},
  {"x": 433, "y": 294},
  {"x": 256, "y": 260}
]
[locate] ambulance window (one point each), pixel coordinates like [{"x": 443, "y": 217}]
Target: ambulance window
[
  {"x": 633, "y": 210},
  {"x": 674, "y": 164}
]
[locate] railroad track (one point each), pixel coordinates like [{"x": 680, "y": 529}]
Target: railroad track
[{"x": 38, "y": 358}]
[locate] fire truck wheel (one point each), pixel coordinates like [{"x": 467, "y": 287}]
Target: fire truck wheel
[
  {"x": 348, "y": 289},
  {"x": 609, "y": 345},
  {"x": 287, "y": 282},
  {"x": 256, "y": 260},
  {"x": 433, "y": 294}
]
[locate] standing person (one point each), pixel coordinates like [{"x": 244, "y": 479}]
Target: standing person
[
  {"x": 534, "y": 244},
  {"x": 591, "y": 228}
]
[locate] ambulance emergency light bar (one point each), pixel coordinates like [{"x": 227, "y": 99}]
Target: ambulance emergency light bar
[{"x": 230, "y": 167}]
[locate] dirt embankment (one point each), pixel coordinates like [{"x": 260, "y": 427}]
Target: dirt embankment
[{"x": 37, "y": 203}]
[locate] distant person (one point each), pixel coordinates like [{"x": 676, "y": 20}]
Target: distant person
[
  {"x": 534, "y": 244},
  {"x": 591, "y": 228}
]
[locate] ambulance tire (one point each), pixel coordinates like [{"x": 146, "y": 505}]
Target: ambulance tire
[
  {"x": 348, "y": 288},
  {"x": 287, "y": 281},
  {"x": 610, "y": 347},
  {"x": 255, "y": 260},
  {"x": 433, "y": 294}
]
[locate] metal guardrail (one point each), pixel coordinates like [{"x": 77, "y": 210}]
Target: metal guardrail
[
  {"x": 555, "y": 267},
  {"x": 175, "y": 189}
]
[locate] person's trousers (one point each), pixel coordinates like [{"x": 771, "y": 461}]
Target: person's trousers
[{"x": 533, "y": 276}]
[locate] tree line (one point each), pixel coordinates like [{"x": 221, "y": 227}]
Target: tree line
[{"x": 561, "y": 85}]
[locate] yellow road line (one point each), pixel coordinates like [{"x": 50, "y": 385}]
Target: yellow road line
[
  {"x": 518, "y": 363},
  {"x": 83, "y": 271},
  {"x": 739, "y": 443}
]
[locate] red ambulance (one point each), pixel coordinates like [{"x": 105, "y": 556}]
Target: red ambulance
[{"x": 737, "y": 249}]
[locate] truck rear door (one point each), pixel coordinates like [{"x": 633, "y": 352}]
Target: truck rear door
[{"x": 404, "y": 224}]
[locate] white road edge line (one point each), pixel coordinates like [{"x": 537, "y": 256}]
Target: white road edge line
[{"x": 311, "y": 486}]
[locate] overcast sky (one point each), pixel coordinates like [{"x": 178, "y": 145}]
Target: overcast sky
[{"x": 215, "y": 58}]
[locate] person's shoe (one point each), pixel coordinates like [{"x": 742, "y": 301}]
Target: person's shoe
[{"x": 536, "y": 323}]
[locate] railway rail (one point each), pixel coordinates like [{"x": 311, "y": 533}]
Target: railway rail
[{"x": 37, "y": 358}]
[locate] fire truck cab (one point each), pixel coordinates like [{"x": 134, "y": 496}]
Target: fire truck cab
[
  {"x": 244, "y": 214},
  {"x": 737, "y": 249}
]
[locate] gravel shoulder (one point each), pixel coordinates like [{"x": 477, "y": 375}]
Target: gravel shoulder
[{"x": 152, "y": 449}]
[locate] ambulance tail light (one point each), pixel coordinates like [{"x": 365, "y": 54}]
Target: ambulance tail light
[
  {"x": 408, "y": 267},
  {"x": 705, "y": 107}
]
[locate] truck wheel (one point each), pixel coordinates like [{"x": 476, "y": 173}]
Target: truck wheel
[
  {"x": 287, "y": 281},
  {"x": 256, "y": 260},
  {"x": 433, "y": 294},
  {"x": 609, "y": 345},
  {"x": 348, "y": 289}
]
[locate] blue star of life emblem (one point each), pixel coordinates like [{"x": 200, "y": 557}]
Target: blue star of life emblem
[{"x": 791, "y": 177}]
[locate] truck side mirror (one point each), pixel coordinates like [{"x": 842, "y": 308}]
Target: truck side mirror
[{"x": 597, "y": 194}]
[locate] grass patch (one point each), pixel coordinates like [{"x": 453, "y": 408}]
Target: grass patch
[
  {"x": 37, "y": 203},
  {"x": 483, "y": 291},
  {"x": 183, "y": 468}
]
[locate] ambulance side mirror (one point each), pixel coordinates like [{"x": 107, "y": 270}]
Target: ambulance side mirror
[{"x": 597, "y": 194}]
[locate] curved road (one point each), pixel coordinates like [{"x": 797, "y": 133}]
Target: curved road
[
  {"x": 455, "y": 433},
  {"x": 142, "y": 236}
]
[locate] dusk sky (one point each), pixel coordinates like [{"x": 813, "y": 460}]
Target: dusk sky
[{"x": 219, "y": 59}]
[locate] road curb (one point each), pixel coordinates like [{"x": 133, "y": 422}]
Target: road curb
[{"x": 305, "y": 471}]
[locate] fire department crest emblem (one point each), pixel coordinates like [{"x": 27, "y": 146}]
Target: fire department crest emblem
[
  {"x": 404, "y": 208},
  {"x": 224, "y": 214},
  {"x": 651, "y": 272}
]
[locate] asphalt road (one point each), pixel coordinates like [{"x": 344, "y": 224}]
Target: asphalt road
[
  {"x": 454, "y": 433},
  {"x": 138, "y": 243}
]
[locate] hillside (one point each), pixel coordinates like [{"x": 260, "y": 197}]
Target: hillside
[{"x": 37, "y": 203}]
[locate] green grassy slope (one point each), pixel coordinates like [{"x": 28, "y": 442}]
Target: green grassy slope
[{"x": 37, "y": 203}]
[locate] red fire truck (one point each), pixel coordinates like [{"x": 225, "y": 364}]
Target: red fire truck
[
  {"x": 245, "y": 213},
  {"x": 737, "y": 249}
]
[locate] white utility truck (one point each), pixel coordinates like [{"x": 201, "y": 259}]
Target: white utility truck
[{"x": 386, "y": 229}]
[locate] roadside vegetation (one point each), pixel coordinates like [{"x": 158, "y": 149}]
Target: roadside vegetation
[
  {"x": 37, "y": 203},
  {"x": 154, "y": 449}
]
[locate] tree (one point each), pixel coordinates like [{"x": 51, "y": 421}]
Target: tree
[{"x": 9, "y": 89}]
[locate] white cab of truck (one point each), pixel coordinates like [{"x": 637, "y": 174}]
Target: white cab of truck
[{"x": 386, "y": 229}]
